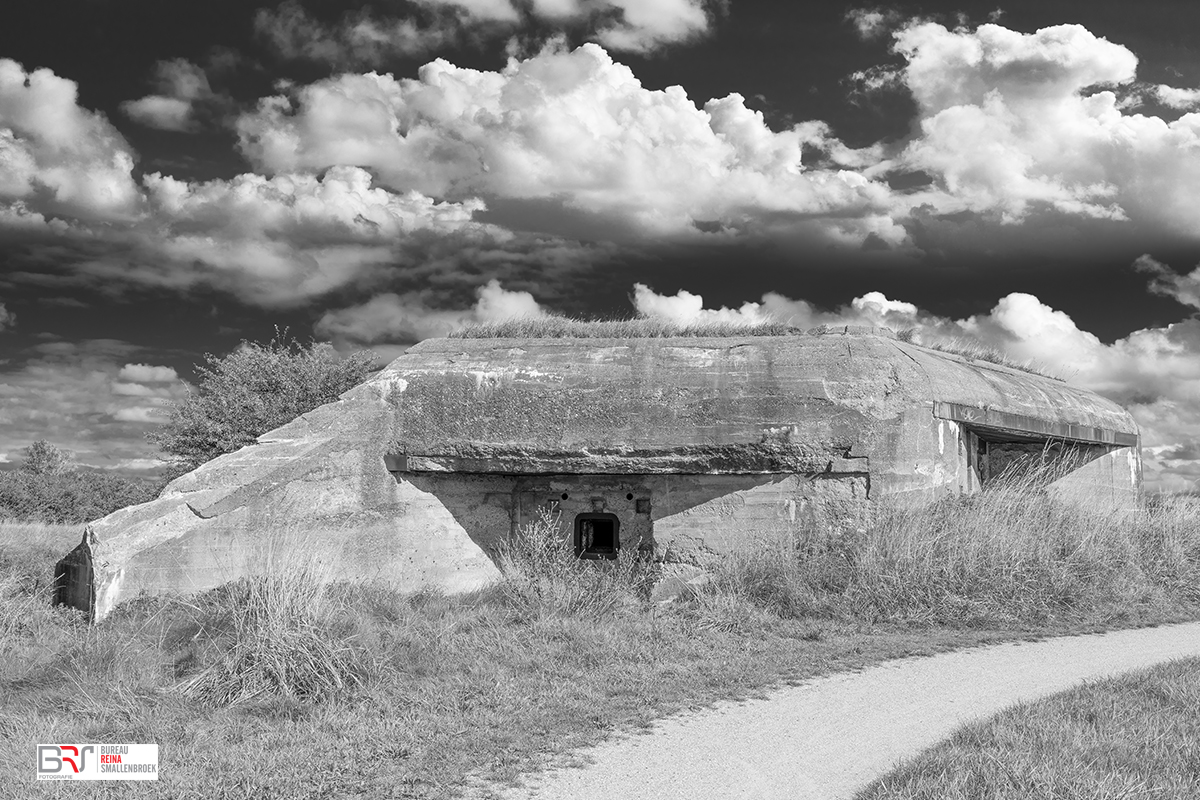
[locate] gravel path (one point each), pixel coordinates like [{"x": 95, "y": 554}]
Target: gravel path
[{"x": 828, "y": 738}]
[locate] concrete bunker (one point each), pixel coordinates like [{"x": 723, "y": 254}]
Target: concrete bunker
[{"x": 681, "y": 447}]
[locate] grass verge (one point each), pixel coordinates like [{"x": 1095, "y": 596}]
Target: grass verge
[{"x": 1127, "y": 738}]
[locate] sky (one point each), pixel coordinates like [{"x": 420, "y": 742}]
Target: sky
[{"x": 176, "y": 178}]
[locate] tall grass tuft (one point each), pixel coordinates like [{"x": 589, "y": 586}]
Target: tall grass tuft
[
  {"x": 542, "y": 576},
  {"x": 285, "y": 635}
]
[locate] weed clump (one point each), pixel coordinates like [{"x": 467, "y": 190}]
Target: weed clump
[
  {"x": 283, "y": 636},
  {"x": 543, "y": 576}
]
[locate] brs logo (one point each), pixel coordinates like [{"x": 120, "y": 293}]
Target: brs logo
[{"x": 54, "y": 759}]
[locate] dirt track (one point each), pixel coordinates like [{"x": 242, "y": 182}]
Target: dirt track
[{"x": 829, "y": 737}]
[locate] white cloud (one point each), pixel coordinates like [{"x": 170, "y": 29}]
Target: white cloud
[
  {"x": 408, "y": 318},
  {"x": 138, "y": 464},
  {"x": 873, "y": 23},
  {"x": 143, "y": 414},
  {"x": 646, "y": 25},
  {"x": 1167, "y": 282},
  {"x": 573, "y": 127},
  {"x": 497, "y": 304},
  {"x": 56, "y": 157},
  {"x": 7, "y": 318},
  {"x": 685, "y": 308},
  {"x": 278, "y": 240},
  {"x": 359, "y": 38},
  {"x": 1012, "y": 124},
  {"x": 147, "y": 373},
  {"x": 1173, "y": 97},
  {"x": 480, "y": 10},
  {"x": 181, "y": 86}
]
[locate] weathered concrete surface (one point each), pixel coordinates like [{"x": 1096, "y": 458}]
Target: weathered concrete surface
[
  {"x": 829, "y": 737},
  {"x": 694, "y": 444}
]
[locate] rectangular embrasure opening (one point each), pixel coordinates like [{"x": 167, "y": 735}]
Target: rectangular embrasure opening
[
  {"x": 597, "y": 535},
  {"x": 1005, "y": 454}
]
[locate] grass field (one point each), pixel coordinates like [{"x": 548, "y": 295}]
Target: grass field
[
  {"x": 286, "y": 687},
  {"x": 1136, "y": 737}
]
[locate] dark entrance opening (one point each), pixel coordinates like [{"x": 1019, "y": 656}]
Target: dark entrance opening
[
  {"x": 997, "y": 454},
  {"x": 73, "y": 580},
  {"x": 597, "y": 535}
]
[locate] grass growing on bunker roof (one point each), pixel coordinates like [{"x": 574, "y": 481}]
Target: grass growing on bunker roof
[
  {"x": 438, "y": 693},
  {"x": 559, "y": 327},
  {"x": 974, "y": 351}
]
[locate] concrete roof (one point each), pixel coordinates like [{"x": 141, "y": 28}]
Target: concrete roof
[{"x": 758, "y": 403}]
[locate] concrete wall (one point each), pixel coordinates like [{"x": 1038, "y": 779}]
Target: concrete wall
[{"x": 680, "y": 517}]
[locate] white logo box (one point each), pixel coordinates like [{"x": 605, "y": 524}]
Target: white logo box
[{"x": 97, "y": 762}]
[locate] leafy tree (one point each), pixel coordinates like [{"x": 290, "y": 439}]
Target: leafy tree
[
  {"x": 43, "y": 458},
  {"x": 254, "y": 389}
]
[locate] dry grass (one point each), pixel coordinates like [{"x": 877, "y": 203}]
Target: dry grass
[
  {"x": 974, "y": 351},
  {"x": 284, "y": 688},
  {"x": 1130, "y": 738},
  {"x": 543, "y": 577},
  {"x": 1013, "y": 556},
  {"x": 556, "y": 327}
]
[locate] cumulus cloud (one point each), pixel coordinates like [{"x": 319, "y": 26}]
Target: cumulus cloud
[
  {"x": 1174, "y": 97},
  {"x": 58, "y": 158},
  {"x": 271, "y": 240},
  {"x": 7, "y": 318},
  {"x": 394, "y": 318},
  {"x": 685, "y": 308},
  {"x": 147, "y": 373},
  {"x": 361, "y": 176},
  {"x": 577, "y": 128},
  {"x": 1012, "y": 124},
  {"x": 282, "y": 239},
  {"x": 645, "y": 25},
  {"x": 182, "y": 86},
  {"x": 873, "y": 23}
]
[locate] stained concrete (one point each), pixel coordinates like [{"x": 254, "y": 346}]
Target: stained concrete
[{"x": 413, "y": 478}]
